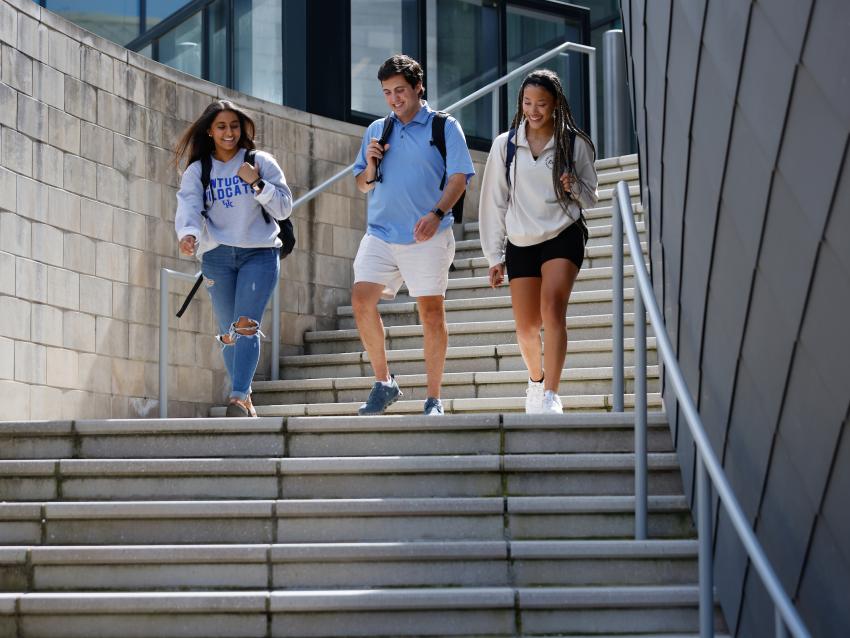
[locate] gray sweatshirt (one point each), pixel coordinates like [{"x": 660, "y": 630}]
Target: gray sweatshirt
[{"x": 235, "y": 217}]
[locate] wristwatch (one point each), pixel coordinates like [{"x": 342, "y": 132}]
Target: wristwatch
[
  {"x": 258, "y": 186},
  {"x": 438, "y": 212}
]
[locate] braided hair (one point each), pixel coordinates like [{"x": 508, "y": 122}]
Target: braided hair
[{"x": 564, "y": 123}]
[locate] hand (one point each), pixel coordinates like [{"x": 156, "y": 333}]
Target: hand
[
  {"x": 497, "y": 275},
  {"x": 374, "y": 151},
  {"x": 249, "y": 174},
  {"x": 188, "y": 244},
  {"x": 566, "y": 182},
  {"x": 426, "y": 227}
]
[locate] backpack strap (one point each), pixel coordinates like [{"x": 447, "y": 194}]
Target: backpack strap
[
  {"x": 386, "y": 131},
  {"x": 510, "y": 151},
  {"x": 438, "y": 140},
  {"x": 251, "y": 158}
]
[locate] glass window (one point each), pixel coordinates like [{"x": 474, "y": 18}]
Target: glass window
[
  {"x": 181, "y": 47},
  {"x": 259, "y": 48},
  {"x": 117, "y": 20},
  {"x": 463, "y": 55},
  {"x": 379, "y": 29},
  {"x": 530, "y": 34},
  {"x": 157, "y": 10},
  {"x": 217, "y": 52}
]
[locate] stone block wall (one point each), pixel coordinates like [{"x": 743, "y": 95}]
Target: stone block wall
[{"x": 87, "y": 201}]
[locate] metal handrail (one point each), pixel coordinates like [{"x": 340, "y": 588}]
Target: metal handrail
[
  {"x": 708, "y": 466},
  {"x": 485, "y": 90}
]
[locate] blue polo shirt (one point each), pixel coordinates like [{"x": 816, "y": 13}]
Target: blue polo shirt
[{"x": 412, "y": 170}]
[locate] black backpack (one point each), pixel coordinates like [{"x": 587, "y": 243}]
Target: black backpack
[
  {"x": 510, "y": 151},
  {"x": 438, "y": 139},
  {"x": 286, "y": 234}
]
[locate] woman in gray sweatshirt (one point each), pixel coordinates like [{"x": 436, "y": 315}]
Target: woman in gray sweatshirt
[{"x": 232, "y": 226}]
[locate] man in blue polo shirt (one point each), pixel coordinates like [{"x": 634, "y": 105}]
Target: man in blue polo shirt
[{"x": 409, "y": 235}]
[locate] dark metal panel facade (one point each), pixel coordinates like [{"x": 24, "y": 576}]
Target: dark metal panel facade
[{"x": 745, "y": 175}]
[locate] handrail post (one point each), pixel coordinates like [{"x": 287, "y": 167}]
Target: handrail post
[
  {"x": 706, "y": 561},
  {"x": 275, "y": 362},
  {"x": 641, "y": 496},
  {"x": 617, "y": 318},
  {"x": 781, "y": 631},
  {"x": 163, "y": 343},
  {"x": 494, "y": 118},
  {"x": 594, "y": 126}
]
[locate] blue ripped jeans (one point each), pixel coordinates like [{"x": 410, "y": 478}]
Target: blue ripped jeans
[{"x": 240, "y": 282}]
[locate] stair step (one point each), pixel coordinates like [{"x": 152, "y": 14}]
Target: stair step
[
  {"x": 472, "y": 434},
  {"x": 456, "y": 385},
  {"x": 348, "y": 565},
  {"x": 591, "y": 353},
  {"x": 464, "y": 333},
  {"x": 331, "y": 436},
  {"x": 461, "y": 405},
  {"x": 588, "y": 302},
  {"x": 338, "y": 520},
  {"x": 333, "y": 477},
  {"x": 470, "y": 611}
]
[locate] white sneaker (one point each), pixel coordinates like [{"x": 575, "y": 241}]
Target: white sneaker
[
  {"x": 534, "y": 397},
  {"x": 552, "y": 403}
]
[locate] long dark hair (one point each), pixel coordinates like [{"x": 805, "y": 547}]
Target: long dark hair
[
  {"x": 564, "y": 123},
  {"x": 197, "y": 142}
]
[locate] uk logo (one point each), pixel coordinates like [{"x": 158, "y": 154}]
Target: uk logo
[{"x": 228, "y": 203}]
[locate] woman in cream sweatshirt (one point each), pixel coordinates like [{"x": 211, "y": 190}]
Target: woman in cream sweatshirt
[{"x": 539, "y": 177}]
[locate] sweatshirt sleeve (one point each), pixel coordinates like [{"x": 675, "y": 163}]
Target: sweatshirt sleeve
[
  {"x": 584, "y": 191},
  {"x": 493, "y": 205},
  {"x": 275, "y": 198},
  {"x": 190, "y": 202}
]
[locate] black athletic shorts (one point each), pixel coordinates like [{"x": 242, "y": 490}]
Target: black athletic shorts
[{"x": 525, "y": 261}]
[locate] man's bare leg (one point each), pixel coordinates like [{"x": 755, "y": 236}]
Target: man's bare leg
[
  {"x": 436, "y": 337},
  {"x": 364, "y": 301}
]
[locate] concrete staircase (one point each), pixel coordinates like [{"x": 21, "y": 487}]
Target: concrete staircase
[{"x": 309, "y": 523}]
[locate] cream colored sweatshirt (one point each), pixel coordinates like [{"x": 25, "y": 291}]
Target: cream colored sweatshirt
[{"x": 529, "y": 213}]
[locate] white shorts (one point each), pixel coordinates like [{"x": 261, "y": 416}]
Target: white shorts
[{"x": 424, "y": 266}]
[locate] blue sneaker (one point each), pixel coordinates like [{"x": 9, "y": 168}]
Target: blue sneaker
[
  {"x": 380, "y": 398},
  {"x": 433, "y": 407}
]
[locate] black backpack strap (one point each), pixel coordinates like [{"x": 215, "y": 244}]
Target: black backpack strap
[
  {"x": 510, "y": 151},
  {"x": 438, "y": 139},
  {"x": 386, "y": 131},
  {"x": 251, "y": 158}
]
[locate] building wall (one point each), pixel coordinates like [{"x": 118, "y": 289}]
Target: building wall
[
  {"x": 87, "y": 199},
  {"x": 742, "y": 114}
]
